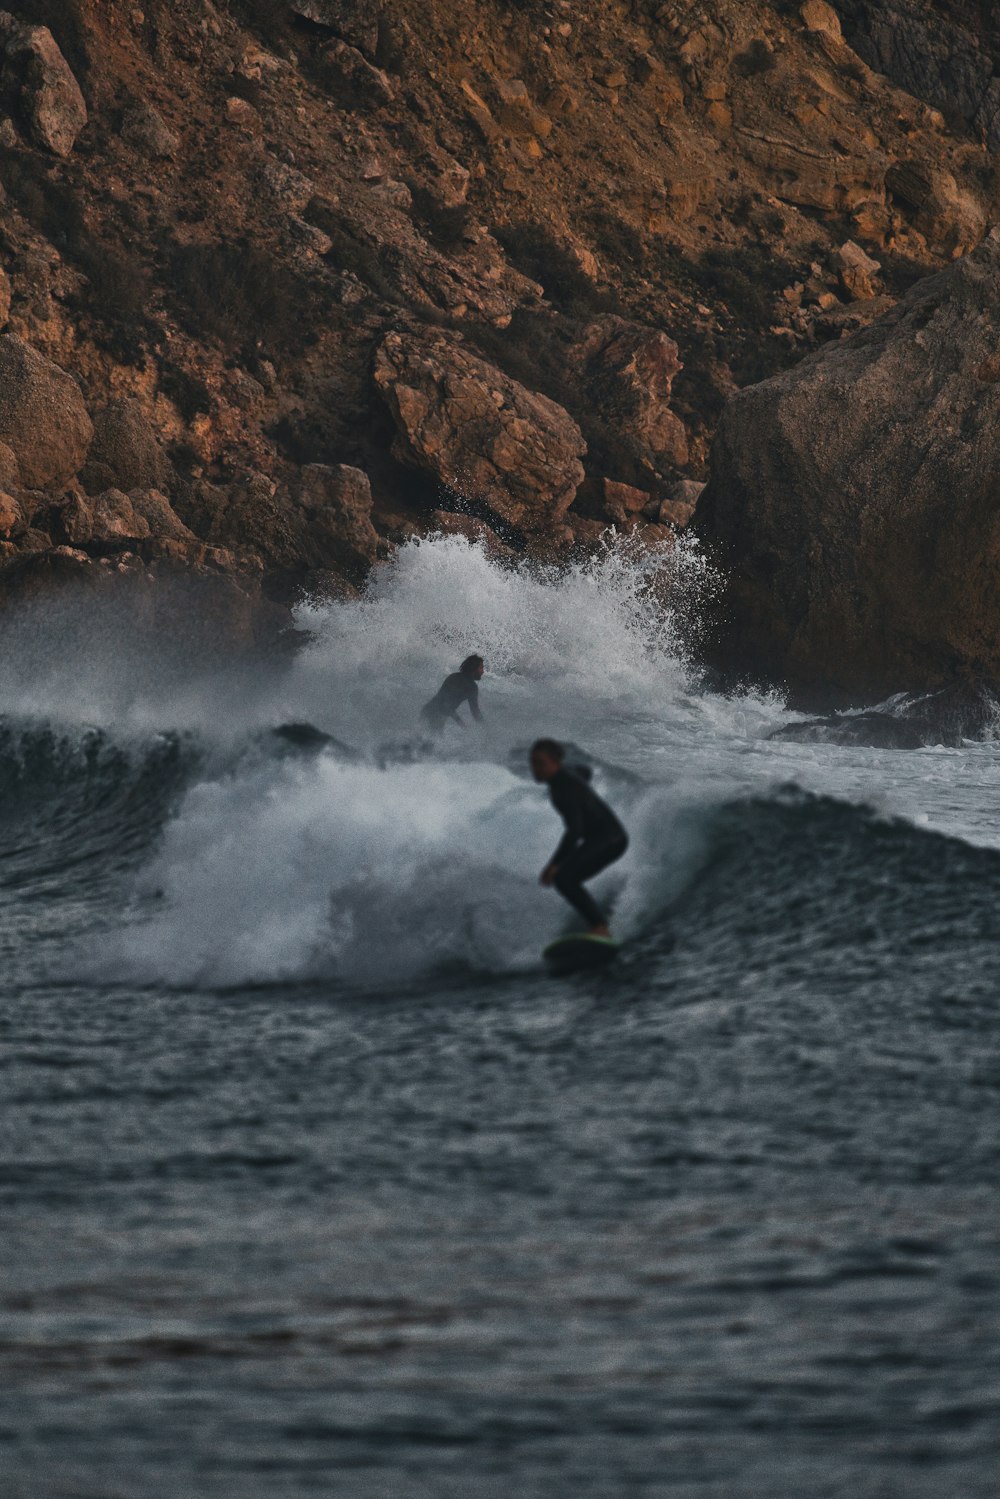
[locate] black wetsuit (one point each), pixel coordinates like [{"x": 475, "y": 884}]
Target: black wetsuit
[
  {"x": 455, "y": 690},
  {"x": 594, "y": 838}
]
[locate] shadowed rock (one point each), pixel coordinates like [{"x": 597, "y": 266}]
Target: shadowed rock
[
  {"x": 854, "y": 502},
  {"x": 124, "y": 453},
  {"x": 43, "y": 419},
  {"x": 949, "y": 717},
  {"x": 929, "y": 55}
]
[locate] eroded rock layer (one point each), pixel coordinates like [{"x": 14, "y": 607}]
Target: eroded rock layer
[{"x": 325, "y": 274}]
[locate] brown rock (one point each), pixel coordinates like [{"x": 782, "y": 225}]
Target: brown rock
[
  {"x": 449, "y": 182},
  {"x": 622, "y": 502},
  {"x": 289, "y": 187},
  {"x": 853, "y": 502},
  {"x": 10, "y": 469},
  {"x": 587, "y": 531},
  {"x": 42, "y": 415},
  {"x": 675, "y": 513},
  {"x": 241, "y": 113},
  {"x": 11, "y": 516},
  {"x": 260, "y": 514},
  {"x": 125, "y": 448},
  {"x": 630, "y": 369},
  {"x": 4, "y": 299},
  {"x": 35, "y": 540},
  {"x": 153, "y": 508},
  {"x": 113, "y": 518},
  {"x": 819, "y": 16},
  {"x": 145, "y": 128},
  {"x": 393, "y": 194},
  {"x": 858, "y": 271},
  {"x": 350, "y": 75},
  {"x": 951, "y": 217},
  {"x": 476, "y": 430},
  {"x": 38, "y": 83},
  {"x": 678, "y": 505},
  {"x": 338, "y": 502},
  {"x": 562, "y": 101}
]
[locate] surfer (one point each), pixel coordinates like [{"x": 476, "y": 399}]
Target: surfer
[
  {"x": 455, "y": 690},
  {"x": 594, "y": 838}
]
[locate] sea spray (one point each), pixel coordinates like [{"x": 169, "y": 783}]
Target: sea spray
[
  {"x": 607, "y": 630},
  {"x": 282, "y": 868}
]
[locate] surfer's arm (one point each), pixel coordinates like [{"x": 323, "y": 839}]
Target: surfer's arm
[{"x": 472, "y": 698}]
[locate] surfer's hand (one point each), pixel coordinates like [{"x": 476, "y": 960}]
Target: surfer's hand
[{"x": 548, "y": 875}]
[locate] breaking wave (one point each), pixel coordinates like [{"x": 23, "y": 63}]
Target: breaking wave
[{"x": 190, "y": 844}]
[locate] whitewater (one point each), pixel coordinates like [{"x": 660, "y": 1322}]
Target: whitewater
[{"x": 315, "y": 1181}]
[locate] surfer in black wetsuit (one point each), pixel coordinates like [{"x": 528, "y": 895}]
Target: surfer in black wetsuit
[
  {"x": 594, "y": 838},
  {"x": 455, "y": 690}
]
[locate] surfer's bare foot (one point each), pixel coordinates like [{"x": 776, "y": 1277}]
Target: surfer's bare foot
[{"x": 601, "y": 930}]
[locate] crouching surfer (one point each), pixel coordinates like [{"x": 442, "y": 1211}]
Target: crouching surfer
[
  {"x": 594, "y": 838},
  {"x": 461, "y": 687}
]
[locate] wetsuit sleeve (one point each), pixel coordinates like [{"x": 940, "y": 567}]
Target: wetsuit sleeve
[
  {"x": 472, "y": 698},
  {"x": 569, "y": 809}
]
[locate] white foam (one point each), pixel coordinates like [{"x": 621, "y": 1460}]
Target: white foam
[{"x": 283, "y": 869}]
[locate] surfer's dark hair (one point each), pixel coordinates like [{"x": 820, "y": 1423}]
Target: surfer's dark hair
[
  {"x": 470, "y": 663},
  {"x": 550, "y": 747}
]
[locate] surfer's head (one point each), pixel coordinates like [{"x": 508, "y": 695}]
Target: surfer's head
[
  {"x": 547, "y": 756},
  {"x": 473, "y": 666}
]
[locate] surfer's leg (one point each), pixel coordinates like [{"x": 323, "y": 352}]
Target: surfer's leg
[
  {"x": 568, "y": 884},
  {"x": 583, "y": 865}
]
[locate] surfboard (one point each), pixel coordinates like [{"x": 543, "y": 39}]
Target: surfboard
[{"x": 580, "y": 953}]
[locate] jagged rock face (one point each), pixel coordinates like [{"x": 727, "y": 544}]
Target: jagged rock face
[
  {"x": 931, "y": 55},
  {"x": 630, "y": 371},
  {"x": 483, "y": 435},
  {"x": 854, "y": 502},
  {"x": 269, "y": 193},
  {"x": 43, "y": 419}
]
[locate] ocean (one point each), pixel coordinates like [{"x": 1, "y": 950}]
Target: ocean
[{"x": 314, "y": 1181}]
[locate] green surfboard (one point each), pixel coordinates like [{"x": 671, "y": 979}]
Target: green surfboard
[{"x": 580, "y": 953}]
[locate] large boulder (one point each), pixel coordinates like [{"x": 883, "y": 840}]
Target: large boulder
[
  {"x": 125, "y": 453},
  {"x": 37, "y": 83},
  {"x": 854, "y": 502},
  {"x": 477, "y": 431},
  {"x": 43, "y": 418}
]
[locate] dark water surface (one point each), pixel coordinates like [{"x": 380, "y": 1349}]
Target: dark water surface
[{"x": 299, "y": 1206}]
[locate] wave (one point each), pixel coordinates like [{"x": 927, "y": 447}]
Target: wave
[
  {"x": 216, "y": 848},
  {"x": 386, "y": 877}
]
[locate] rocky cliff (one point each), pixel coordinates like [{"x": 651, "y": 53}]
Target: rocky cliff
[
  {"x": 285, "y": 283},
  {"x": 855, "y": 506}
]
